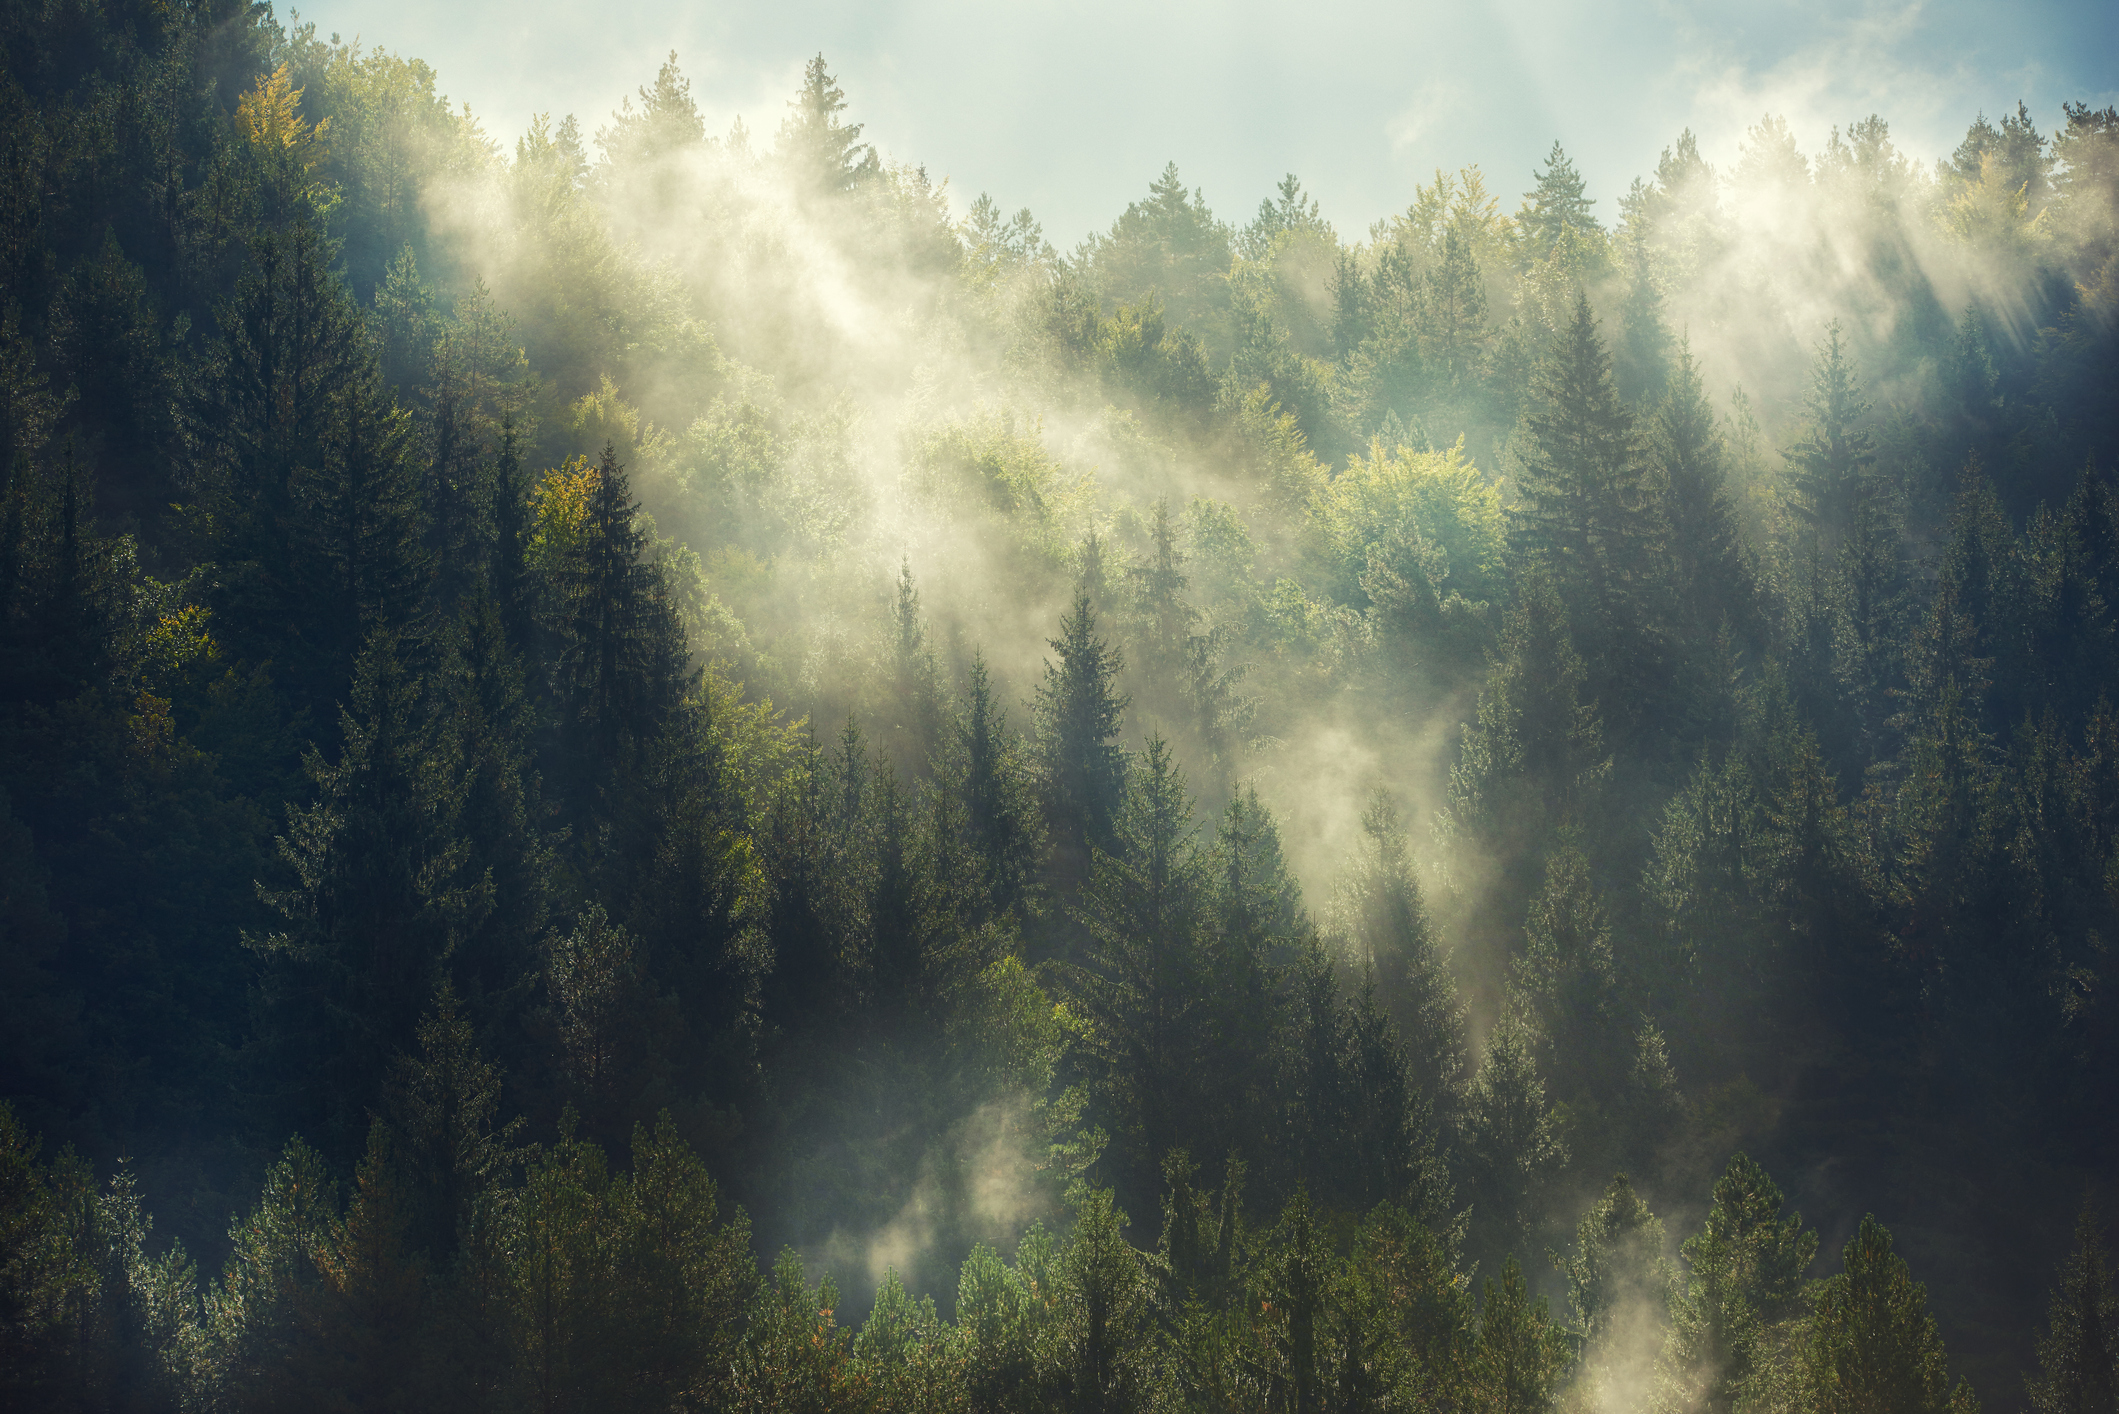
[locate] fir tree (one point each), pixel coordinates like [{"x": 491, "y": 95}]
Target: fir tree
[
  {"x": 1557, "y": 208},
  {"x": 2078, "y": 1353},
  {"x": 1586, "y": 514},
  {"x": 1872, "y": 1343},
  {"x": 1079, "y": 712},
  {"x": 1745, "y": 1276},
  {"x": 1829, "y": 464},
  {"x": 822, "y": 154},
  {"x": 1398, "y": 948}
]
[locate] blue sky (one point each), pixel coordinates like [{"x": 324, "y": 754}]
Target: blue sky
[{"x": 1072, "y": 108}]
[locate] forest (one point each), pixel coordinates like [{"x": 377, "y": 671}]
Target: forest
[{"x": 648, "y": 769}]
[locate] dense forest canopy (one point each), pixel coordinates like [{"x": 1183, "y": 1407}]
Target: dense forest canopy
[{"x": 661, "y": 769}]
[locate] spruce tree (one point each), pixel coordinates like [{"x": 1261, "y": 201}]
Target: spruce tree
[
  {"x": 1557, "y": 208},
  {"x": 1829, "y": 464},
  {"x": 1745, "y": 1272},
  {"x": 2078, "y": 1353},
  {"x": 822, "y": 154},
  {"x": 1714, "y": 578},
  {"x": 1615, "y": 1269},
  {"x": 1569, "y": 985},
  {"x": 1079, "y": 713},
  {"x": 915, "y": 703},
  {"x": 1398, "y": 948},
  {"x": 1146, "y": 907},
  {"x": 621, "y": 663},
  {"x": 1872, "y": 1344},
  {"x": 1533, "y": 758},
  {"x": 994, "y": 786},
  {"x": 1585, "y": 513},
  {"x": 374, "y": 892}
]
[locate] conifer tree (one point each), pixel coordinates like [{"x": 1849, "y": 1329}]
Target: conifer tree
[
  {"x": 369, "y": 908},
  {"x": 1533, "y": 758},
  {"x": 992, "y": 781},
  {"x": 1509, "y": 1140},
  {"x": 1398, "y": 948},
  {"x": 1829, "y": 465},
  {"x": 620, "y": 664},
  {"x": 667, "y": 121},
  {"x": 1714, "y": 576},
  {"x": 1872, "y": 1344},
  {"x": 915, "y": 702},
  {"x": 2078, "y": 1353},
  {"x": 822, "y": 154},
  {"x": 1568, "y": 983},
  {"x": 1519, "y": 1356},
  {"x": 291, "y": 351},
  {"x": 1557, "y": 208},
  {"x": 1586, "y": 515},
  {"x": 450, "y": 1145},
  {"x": 1745, "y": 1276},
  {"x": 1146, "y": 909},
  {"x": 1079, "y": 712},
  {"x": 1453, "y": 314},
  {"x": 1641, "y": 356}
]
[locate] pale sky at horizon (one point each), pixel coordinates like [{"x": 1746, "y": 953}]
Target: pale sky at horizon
[{"x": 1072, "y": 109}]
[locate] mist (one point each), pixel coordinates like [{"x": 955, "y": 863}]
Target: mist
[{"x": 882, "y": 803}]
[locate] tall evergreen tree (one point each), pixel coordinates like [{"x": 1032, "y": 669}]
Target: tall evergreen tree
[
  {"x": 1585, "y": 512},
  {"x": 1557, "y": 208},
  {"x": 1745, "y": 1276},
  {"x": 822, "y": 154},
  {"x": 1398, "y": 947},
  {"x": 1829, "y": 464},
  {"x": 2078, "y": 1353},
  {"x": 1715, "y": 580},
  {"x": 1872, "y": 1344},
  {"x": 1146, "y": 906},
  {"x": 1079, "y": 713}
]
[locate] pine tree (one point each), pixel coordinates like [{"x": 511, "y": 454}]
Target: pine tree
[
  {"x": 1714, "y": 576},
  {"x": 1557, "y": 208},
  {"x": 1618, "y": 1287},
  {"x": 1872, "y": 1345},
  {"x": 667, "y": 121},
  {"x": 915, "y": 705},
  {"x": 369, "y": 569},
  {"x": 451, "y": 1149},
  {"x": 1398, "y": 947},
  {"x": 1509, "y": 1138},
  {"x": 1079, "y": 712},
  {"x": 1569, "y": 985},
  {"x": 1533, "y": 758},
  {"x": 367, "y": 913},
  {"x": 822, "y": 154},
  {"x": 2078, "y": 1354},
  {"x": 1257, "y": 928},
  {"x": 620, "y": 666},
  {"x": 1452, "y": 315},
  {"x": 993, "y": 784},
  {"x": 1586, "y": 514},
  {"x": 1145, "y": 906},
  {"x": 292, "y": 351},
  {"x": 1519, "y": 1356},
  {"x": 1830, "y": 462},
  {"x": 1641, "y": 357},
  {"x": 1746, "y": 1269}
]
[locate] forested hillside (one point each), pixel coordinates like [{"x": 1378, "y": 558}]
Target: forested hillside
[{"x": 655, "y": 769}]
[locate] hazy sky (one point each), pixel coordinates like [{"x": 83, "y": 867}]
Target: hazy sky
[{"x": 1072, "y": 108}]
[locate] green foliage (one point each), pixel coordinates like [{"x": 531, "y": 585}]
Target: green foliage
[
  {"x": 1872, "y": 1344},
  {"x": 492, "y": 527}
]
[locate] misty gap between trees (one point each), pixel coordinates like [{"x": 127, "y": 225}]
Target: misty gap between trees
[{"x": 651, "y": 772}]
